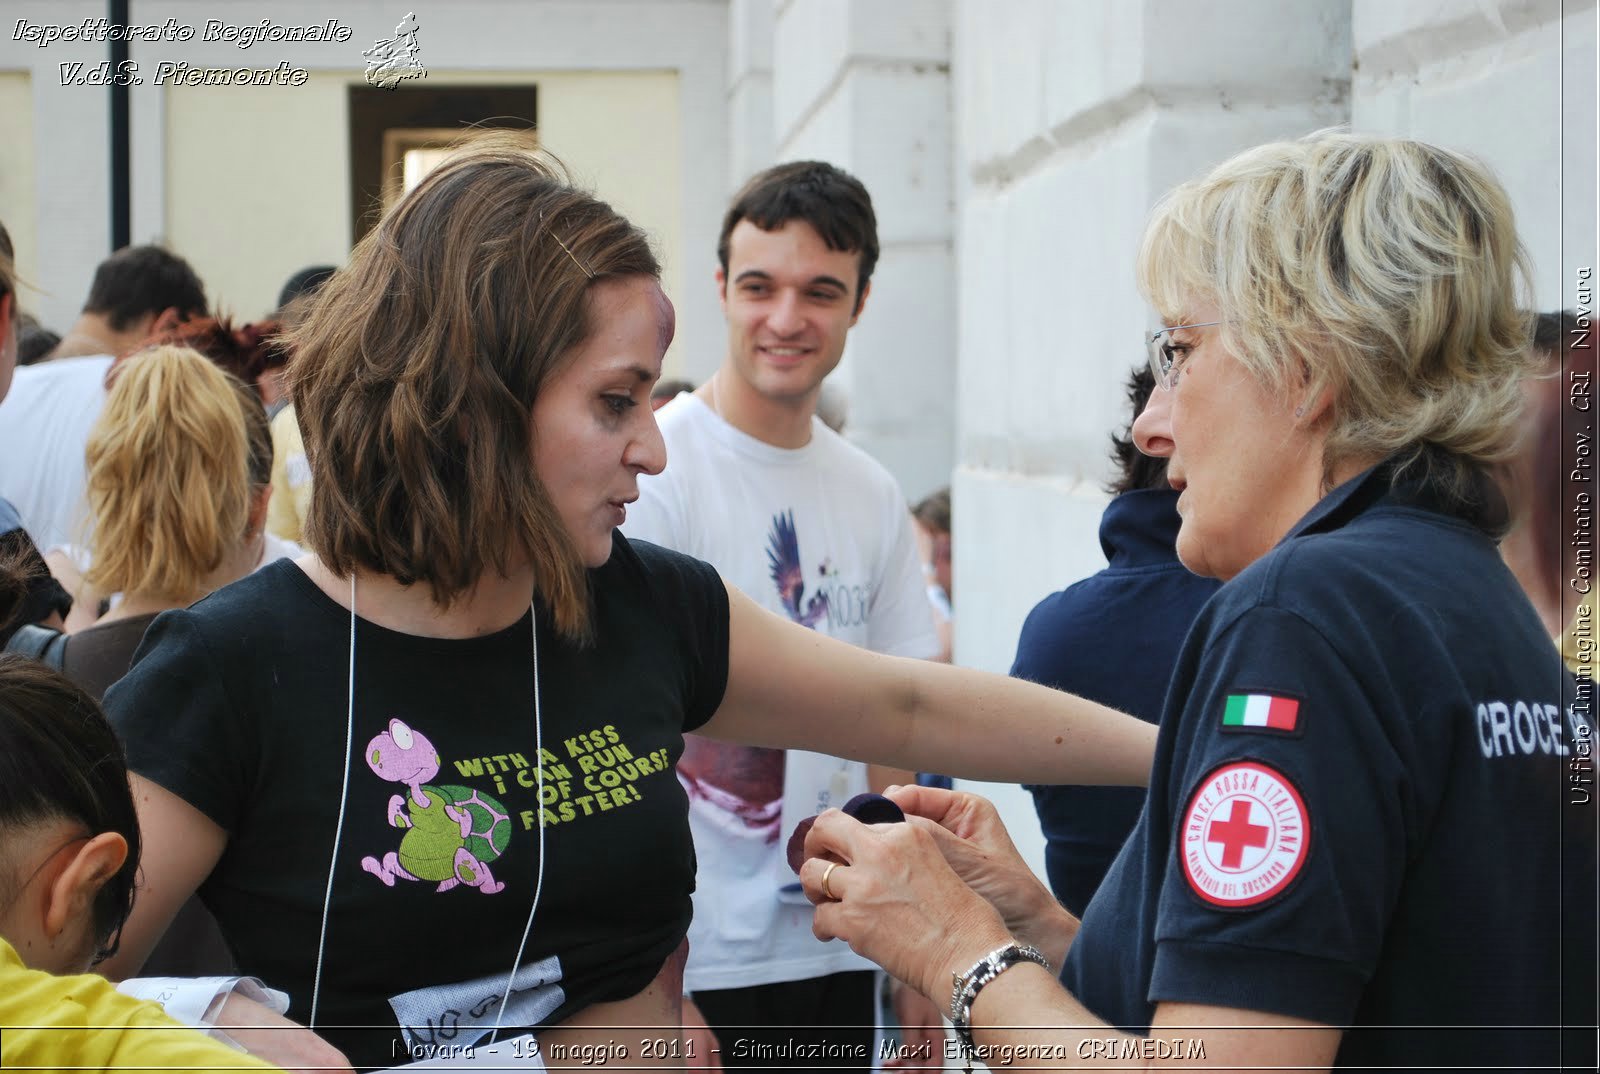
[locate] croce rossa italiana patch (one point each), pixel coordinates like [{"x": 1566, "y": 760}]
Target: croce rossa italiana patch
[{"x": 1245, "y": 835}]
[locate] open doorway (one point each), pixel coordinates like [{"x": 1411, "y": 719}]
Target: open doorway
[{"x": 398, "y": 135}]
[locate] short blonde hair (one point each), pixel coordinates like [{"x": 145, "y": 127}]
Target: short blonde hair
[
  {"x": 169, "y": 484},
  {"x": 1385, "y": 269}
]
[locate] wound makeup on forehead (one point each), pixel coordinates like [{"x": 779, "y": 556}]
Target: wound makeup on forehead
[{"x": 666, "y": 319}]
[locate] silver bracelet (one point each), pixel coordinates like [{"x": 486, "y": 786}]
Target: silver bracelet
[{"x": 969, "y": 984}]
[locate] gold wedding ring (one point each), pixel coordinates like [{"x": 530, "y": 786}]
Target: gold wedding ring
[{"x": 827, "y": 892}]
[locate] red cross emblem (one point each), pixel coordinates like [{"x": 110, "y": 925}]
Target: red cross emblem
[
  {"x": 1245, "y": 835},
  {"x": 1236, "y": 833}
]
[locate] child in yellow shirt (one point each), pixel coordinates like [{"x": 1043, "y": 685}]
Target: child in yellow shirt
[{"x": 69, "y": 852}]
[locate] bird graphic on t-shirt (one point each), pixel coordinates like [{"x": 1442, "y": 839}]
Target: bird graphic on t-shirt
[{"x": 783, "y": 556}]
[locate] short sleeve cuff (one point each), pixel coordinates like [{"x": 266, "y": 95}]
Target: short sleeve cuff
[
  {"x": 1253, "y": 979},
  {"x": 710, "y": 649}
]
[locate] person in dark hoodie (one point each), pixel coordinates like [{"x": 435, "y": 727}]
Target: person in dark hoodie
[{"x": 1109, "y": 637}]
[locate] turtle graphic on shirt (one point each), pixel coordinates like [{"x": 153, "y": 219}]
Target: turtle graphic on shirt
[{"x": 452, "y": 833}]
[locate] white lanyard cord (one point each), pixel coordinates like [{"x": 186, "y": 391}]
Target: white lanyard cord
[
  {"x": 538, "y": 880},
  {"x": 344, "y": 798}
]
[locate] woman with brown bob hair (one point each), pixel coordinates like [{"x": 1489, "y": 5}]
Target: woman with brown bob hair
[{"x": 435, "y": 758}]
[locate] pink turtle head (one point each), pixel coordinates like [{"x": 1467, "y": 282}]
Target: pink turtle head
[{"x": 402, "y": 755}]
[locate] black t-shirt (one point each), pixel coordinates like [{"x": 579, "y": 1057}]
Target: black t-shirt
[
  {"x": 1363, "y": 811},
  {"x": 238, "y": 706}
]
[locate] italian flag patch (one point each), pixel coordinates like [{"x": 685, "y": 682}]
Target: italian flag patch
[{"x": 1245, "y": 711}]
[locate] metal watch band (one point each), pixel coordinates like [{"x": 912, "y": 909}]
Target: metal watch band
[{"x": 969, "y": 984}]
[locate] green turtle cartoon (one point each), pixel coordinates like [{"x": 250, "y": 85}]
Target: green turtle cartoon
[{"x": 452, "y": 833}]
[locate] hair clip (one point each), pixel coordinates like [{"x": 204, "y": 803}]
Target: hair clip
[{"x": 568, "y": 250}]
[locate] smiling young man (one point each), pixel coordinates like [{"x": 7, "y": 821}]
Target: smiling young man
[{"x": 815, "y": 530}]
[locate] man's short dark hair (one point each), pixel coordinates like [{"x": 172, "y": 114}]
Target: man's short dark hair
[
  {"x": 831, "y": 200},
  {"x": 139, "y": 280},
  {"x": 34, "y": 340},
  {"x": 671, "y": 388},
  {"x": 1135, "y": 469},
  {"x": 308, "y": 281}
]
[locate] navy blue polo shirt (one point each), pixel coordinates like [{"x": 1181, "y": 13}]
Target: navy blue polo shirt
[
  {"x": 1362, "y": 810},
  {"x": 1112, "y": 638}
]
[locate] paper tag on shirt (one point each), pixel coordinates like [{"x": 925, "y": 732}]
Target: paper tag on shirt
[
  {"x": 186, "y": 999},
  {"x": 812, "y": 783},
  {"x": 461, "y": 1013}
]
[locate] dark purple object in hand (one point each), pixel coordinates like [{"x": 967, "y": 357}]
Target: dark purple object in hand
[
  {"x": 874, "y": 809},
  {"x": 867, "y": 808}
]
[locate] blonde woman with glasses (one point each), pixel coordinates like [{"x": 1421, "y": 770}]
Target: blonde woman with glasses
[{"x": 1361, "y": 821}]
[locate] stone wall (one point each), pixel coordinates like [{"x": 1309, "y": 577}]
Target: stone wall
[{"x": 866, "y": 86}]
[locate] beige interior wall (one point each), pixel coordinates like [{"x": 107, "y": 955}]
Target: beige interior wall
[
  {"x": 257, "y": 177},
  {"x": 256, "y": 185},
  {"x": 19, "y": 203}
]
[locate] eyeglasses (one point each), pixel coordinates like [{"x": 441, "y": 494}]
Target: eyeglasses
[{"x": 1167, "y": 357}]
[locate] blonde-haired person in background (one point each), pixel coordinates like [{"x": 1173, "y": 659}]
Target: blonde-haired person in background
[
  {"x": 177, "y": 486},
  {"x": 1359, "y": 818},
  {"x": 426, "y": 773},
  {"x": 250, "y": 355}
]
